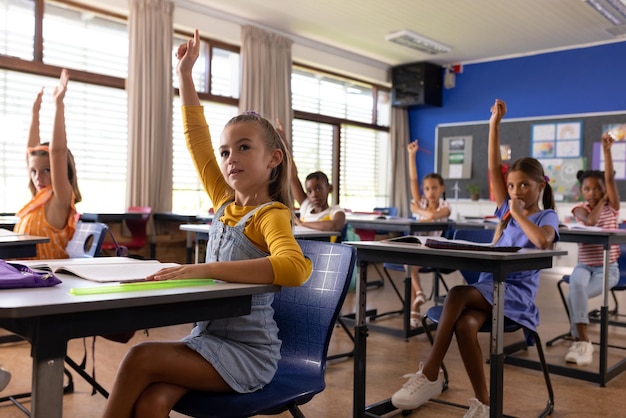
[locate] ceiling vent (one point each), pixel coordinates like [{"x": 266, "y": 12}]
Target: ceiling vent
[{"x": 418, "y": 42}]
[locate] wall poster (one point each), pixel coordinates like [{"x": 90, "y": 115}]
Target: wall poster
[{"x": 456, "y": 160}]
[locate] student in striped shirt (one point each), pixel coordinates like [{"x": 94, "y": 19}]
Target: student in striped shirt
[{"x": 600, "y": 208}]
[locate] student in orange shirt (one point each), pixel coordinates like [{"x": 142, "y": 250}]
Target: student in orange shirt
[{"x": 51, "y": 212}]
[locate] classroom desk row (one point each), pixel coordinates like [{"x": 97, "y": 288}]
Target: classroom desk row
[
  {"x": 158, "y": 218},
  {"x": 14, "y": 245},
  {"x": 201, "y": 232}
]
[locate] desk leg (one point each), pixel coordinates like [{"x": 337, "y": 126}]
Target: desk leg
[
  {"x": 360, "y": 340},
  {"x": 47, "y": 387},
  {"x": 189, "y": 247},
  {"x": 497, "y": 355},
  {"x": 604, "y": 318}
]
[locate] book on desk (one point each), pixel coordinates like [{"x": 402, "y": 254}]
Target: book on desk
[
  {"x": 101, "y": 269},
  {"x": 451, "y": 244}
]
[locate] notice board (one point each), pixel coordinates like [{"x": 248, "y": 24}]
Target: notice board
[{"x": 564, "y": 144}]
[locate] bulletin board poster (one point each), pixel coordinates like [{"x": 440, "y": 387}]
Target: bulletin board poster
[
  {"x": 618, "y": 152},
  {"x": 456, "y": 160},
  {"x": 556, "y": 140},
  {"x": 562, "y": 174}
]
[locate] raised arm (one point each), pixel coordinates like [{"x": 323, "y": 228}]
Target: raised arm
[
  {"x": 62, "y": 197},
  {"x": 412, "y": 148},
  {"x": 34, "y": 138},
  {"x": 498, "y": 110},
  {"x": 187, "y": 55},
  {"x": 296, "y": 185},
  {"x": 609, "y": 174}
]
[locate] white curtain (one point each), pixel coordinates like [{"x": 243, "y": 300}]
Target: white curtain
[
  {"x": 150, "y": 94},
  {"x": 399, "y": 136},
  {"x": 266, "y": 75}
]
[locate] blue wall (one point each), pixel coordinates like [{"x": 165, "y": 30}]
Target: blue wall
[{"x": 583, "y": 80}]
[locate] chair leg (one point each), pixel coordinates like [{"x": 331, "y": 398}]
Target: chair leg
[
  {"x": 546, "y": 375},
  {"x": 566, "y": 335},
  {"x": 295, "y": 411},
  {"x": 435, "y": 296},
  {"x": 343, "y": 325}
]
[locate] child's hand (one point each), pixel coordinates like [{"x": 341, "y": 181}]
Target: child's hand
[
  {"x": 498, "y": 110},
  {"x": 186, "y": 271},
  {"x": 516, "y": 206},
  {"x": 59, "y": 91},
  {"x": 412, "y": 147},
  {"x": 187, "y": 54},
  {"x": 607, "y": 141},
  {"x": 37, "y": 102}
]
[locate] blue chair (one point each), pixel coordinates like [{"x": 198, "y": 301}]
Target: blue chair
[
  {"x": 594, "y": 315},
  {"x": 306, "y": 317},
  {"x": 87, "y": 240},
  {"x": 433, "y": 315}
]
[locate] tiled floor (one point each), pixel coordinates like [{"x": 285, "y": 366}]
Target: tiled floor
[{"x": 388, "y": 358}]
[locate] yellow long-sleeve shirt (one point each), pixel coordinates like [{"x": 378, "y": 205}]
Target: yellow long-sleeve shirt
[{"x": 269, "y": 228}]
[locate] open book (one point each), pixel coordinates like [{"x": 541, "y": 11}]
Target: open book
[
  {"x": 449, "y": 244},
  {"x": 101, "y": 269},
  {"x": 580, "y": 226}
]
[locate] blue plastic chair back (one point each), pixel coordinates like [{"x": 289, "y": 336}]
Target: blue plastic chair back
[
  {"x": 306, "y": 317},
  {"x": 87, "y": 240},
  {"x": 387, "y": 211}
]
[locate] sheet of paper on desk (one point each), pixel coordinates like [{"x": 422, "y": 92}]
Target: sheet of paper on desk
[{"x": 102, "y": 269}]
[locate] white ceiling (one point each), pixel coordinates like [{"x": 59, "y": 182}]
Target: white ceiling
[{"x": 477, "y": 30}]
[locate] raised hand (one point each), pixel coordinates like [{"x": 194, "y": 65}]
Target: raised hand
[
  {"x": 188, "y": 53},
  {"x": 59, "y": 91},
  {"x": 498, "y": 110},
  {"x": 37, "y": 102},
  {"x": 412, "y": 147},
  {"x": 607, "y": 141}
]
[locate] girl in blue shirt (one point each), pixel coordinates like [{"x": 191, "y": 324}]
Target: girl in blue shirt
[{"x": 466, "y": 308}]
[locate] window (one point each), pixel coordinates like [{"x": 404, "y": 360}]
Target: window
[
  {"x": 219, "y": 81},
  {"x": 188, "y": 194},
  {"x": 96, "y": 115},
  {"x": 335, "y": 131}
]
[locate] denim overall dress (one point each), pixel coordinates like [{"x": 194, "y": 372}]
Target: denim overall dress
[{"x": 244, "y": 350}]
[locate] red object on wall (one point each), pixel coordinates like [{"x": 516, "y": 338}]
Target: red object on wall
[{"x": 505, "y": 168}]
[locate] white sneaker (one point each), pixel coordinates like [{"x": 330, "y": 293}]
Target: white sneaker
[
  {"x": 477, "y": 410},
  {"x": 417, "y": 391},
  {"x": 580, "y": 352},
  {"x": 5, "y": 378}
]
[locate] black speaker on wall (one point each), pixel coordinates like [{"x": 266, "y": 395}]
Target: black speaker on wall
[{"x": 419, "y": 83}]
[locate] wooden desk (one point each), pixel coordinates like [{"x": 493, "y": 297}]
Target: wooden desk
[
  {"x": 497, "y": 263},
  {"x": 19, "y": 246},
  {"x": 50, "y": 317},
  {"x": 605, "y": 373},
  {"x": 202, "y": 233},
  {"x": 162, "y": 217}
]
